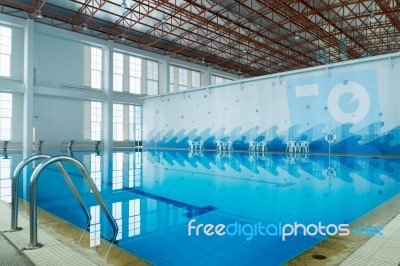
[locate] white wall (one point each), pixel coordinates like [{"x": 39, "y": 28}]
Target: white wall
[
  {"x": 58, "y": 119},
  {"x": 357, "y": 100},
  {"x": 16, "y": 126},
  {"x": 57, "y": 61},
  {"x": 17, "y": 53}
]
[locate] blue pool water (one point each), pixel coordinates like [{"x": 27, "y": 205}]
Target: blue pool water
[{"x": 154, "y": 194}]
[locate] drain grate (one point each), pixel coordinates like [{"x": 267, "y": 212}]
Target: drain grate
[{"x": 319, "y": 256}]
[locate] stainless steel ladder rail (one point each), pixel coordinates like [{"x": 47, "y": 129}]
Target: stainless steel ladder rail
[
  {"x": 15, "y": 183},
  {"x": 33, "y": 203}
]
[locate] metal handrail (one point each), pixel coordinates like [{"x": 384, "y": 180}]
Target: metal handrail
[
  {"x": 33, "y": 202},
  {"x": 15, "y": 182}
]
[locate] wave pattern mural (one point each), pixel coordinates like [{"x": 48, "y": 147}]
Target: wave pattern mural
[
  {"x": 353, "y": 102},
  {"x": 288, "y": 167}
]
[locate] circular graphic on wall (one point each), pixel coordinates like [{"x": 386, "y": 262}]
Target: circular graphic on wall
[{"x": 348, "y": 102}]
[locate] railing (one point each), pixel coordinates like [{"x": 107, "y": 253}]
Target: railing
[
  {"x": 15, "y": 184},
  {"x": 10, "y": 145},
  {"x": 5, "y": 144},
  {"x": 81, "y": 145},
  {"x": 47, "y": 160},
  {"x": 33, "y": 192}
]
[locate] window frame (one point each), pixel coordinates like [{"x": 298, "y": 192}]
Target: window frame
[{"x": 5, "y": 50}]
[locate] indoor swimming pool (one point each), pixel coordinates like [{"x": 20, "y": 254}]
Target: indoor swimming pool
[{"x": 176, "y": 207}]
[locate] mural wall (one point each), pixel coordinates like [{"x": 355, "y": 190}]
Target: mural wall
[{"x": 348, "y": 107}]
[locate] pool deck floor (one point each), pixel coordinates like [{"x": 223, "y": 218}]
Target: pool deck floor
[
  {"x": 60, "y": 243},
  {"x": 61, "y": 248}
]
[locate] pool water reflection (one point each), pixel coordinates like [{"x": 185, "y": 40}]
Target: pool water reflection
[{"x": 154, "y": 194}]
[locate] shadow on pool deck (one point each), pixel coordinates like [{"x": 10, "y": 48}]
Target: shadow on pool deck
[{"x": 10, "y": 255}]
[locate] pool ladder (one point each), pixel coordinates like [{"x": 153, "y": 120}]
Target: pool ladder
[{"x": 47, "y": 160}]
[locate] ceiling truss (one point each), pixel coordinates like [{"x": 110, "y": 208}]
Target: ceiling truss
[{"x": 251, "y": 38}]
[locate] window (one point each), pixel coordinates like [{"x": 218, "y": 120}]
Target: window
[
  {"x": 5, "y": 116},
  {"x": 5, "y": 51},
  {"x": 135, "y": 75},
  {"x": 118, "y": 72},
  {"x": 152, "y": 78},
  {"x": 171, "y": 78},
  {"x": 195, "y": 79},
  {"x": 131, "y": 122},
  {"x": 118, "y": 121},
  {"x": 96, "y": 67},
  {"x": 92, "y": 120},
  {"x": 124, "y": 65},
  {"x": 183, "y": 79},
  {"x": 127, "y": 122},
  {"x": 219, "y": 80}
]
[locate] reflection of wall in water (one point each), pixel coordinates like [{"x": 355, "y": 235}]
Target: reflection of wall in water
[{"x": 290, "y": 183}]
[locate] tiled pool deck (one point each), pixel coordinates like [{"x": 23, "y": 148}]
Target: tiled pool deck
[
  {"x": 60, "y": 242},
  {"x": 361, "y": 250}
]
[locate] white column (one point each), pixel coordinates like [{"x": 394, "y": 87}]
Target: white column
[
  {"x": 207, "y": 76},
  {"x": 164, "y": 77},
  {"x": 27, "y": 135},
  {"x": 108, "y": 104}
]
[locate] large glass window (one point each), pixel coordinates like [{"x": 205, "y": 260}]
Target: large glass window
[
  {"x": 96, "y": 120},
  {"x": 152, "y": 77},
  {"x": 127, "y": 122},
  {"x": 131, "y": 122},
  {"x": 118, "y": 121},
  {"x": 219, "y": 79},
  {"x": 183, "y": 79},
  {"x": 171, "y": 78},
  {"x": 196, "y": 79},
  {"x": 118, "y": 72},
  {"x": 5, "y": 116},
  {"x": 96, "y": 67},
  {"x": 5, "y": 51},
  {"x": 135, "y": 75}
]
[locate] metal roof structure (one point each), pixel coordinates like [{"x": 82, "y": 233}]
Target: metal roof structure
[{"x": 251, "y": 37}]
